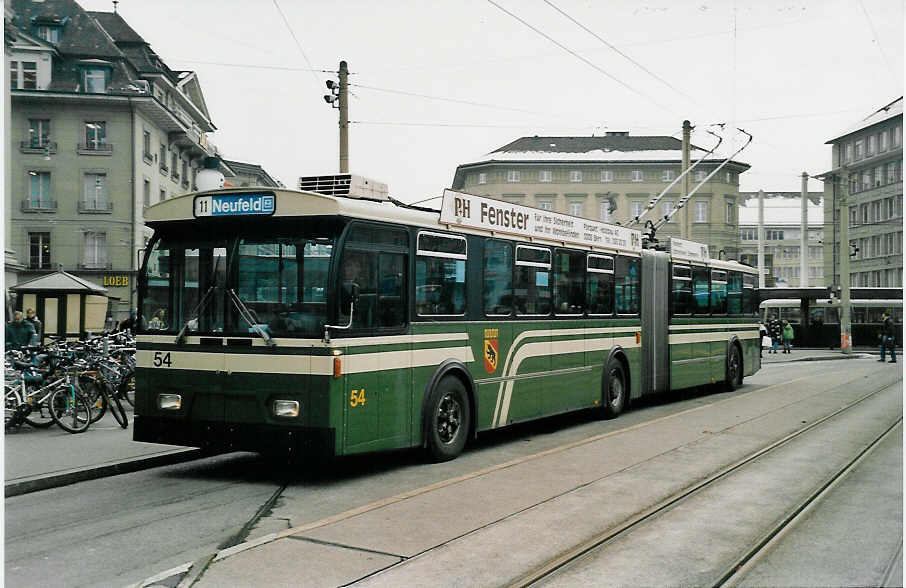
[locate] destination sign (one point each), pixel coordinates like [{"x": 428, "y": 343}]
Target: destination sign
[
  {"x": 468, "y": 210},
  {"x": 234, "y": 205},
  {"x": 689, "y": 249}
]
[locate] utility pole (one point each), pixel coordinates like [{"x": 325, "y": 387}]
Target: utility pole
[
  {"x": 803, "y": 238},
  {"x": 339, "y": 99},
  {"x": 845, "y": 323},
  {"x": 685, "y": 231},
  {"x": 761, "y": 238}
]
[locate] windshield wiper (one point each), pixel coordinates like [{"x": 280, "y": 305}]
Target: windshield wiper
[
  {"x": 181, "y": 336},
  {"x": 246, "y": 315}
]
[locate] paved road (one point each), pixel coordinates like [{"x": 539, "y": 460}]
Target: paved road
[{"x": 162, "y": 519}]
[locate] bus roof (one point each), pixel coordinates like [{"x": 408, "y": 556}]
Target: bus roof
[{"x": 295, "y": 203}]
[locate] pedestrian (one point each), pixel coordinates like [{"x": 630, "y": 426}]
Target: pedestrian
[
  {"x": 19, "y": 332},
  {"x": 128, "y": 324},
  {"x": 888, "y": 337},
  {"x": 775, "y": 330},
  {"x": 787, "y": 336},
  {"x": 762, "y": 333},
  {"x": 31, "y": 317}
]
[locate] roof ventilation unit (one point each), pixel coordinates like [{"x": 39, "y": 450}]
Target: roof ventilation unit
[{"x": 346, "y": 185}]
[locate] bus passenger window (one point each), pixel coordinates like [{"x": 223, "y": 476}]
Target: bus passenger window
[
  {"x": 391, "y": 300},
  {"x": 718, "y": 292},
  {"x": 681, "y": 290},
  {"x": 532, "y": 292},
  {"x": 700, "y": 290},
  {"x": 627, "y": 285},
  {"x": 440, "y": 274},
  {"x": 599, "y": 285},
  {"x": 734, "y": 293},
  {"x": 749, "y": 295},
  {"x": 569, "y": 287},
  {"x": 498, "y": 278}
]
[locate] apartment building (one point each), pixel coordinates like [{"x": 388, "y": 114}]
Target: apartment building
[
  {"x": 611, "y": 179},
  {"x": 100, "y": 128},
  {"x": 782, "y": 234},
  {"x": 250, "y": 174},
  {"x": 867, "y": 161}
]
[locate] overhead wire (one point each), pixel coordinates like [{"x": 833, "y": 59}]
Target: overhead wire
[
  {"x": 874, "y": 35},
  {"x": 298, "y": 44}
]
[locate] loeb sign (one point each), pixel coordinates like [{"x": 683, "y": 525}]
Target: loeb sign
[{"x": 467, "y": 210}]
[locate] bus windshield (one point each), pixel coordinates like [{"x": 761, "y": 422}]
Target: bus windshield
[{"x": 238, "y": 284}]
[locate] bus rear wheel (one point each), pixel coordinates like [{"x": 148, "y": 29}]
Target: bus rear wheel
[
  {"x": 733, "y": 378},
  {"x": 448, "y": 419},
  {"x": 615, "y": 390}
]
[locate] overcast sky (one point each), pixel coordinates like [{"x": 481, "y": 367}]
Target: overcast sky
[{"x": 441, "y": 83}]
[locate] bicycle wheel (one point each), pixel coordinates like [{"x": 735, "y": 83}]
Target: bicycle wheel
[
  {"x": 70, "y": 410},
  {"x": 39, "y": 417},
  {"x": 126, "y": 389},
  {"x": 11, "y": 402},
  {"x": 97, "y": 400},
  {"x": 116, "y": 408}
]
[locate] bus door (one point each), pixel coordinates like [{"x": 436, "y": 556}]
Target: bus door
[
  {"x": 655, "y": 324},
  {"x": 377, "y": 359}
]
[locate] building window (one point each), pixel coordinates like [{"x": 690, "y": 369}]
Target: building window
[
  {"x": 666, "y": 208},
  {"x": 888, "y": 208},
  {"x": 606, "y": 175},
  {"x": 849, "y": 153},
  {"x": 897, "y": 136},
  {"x": 483, "y": 178},
  {"x": 884, "y": 142},
  {"x": 146, "y": 193},
  {"x": 668, "y": 175},
  {"x": 185, "y": 172},
  {"x": 38, "y": 132},
  {"x": 730, "y": 207},
  {"x": 729, "y": 177},
  {"x": 545, "y": 205},
  {"x": 700, "y": 176},
  {"x": 860, "y": 149},
  {"x": 637, "y": 175},
  {"x": 51, "y": 34},
  {"x": 94, "y": 193},
  {"x": 575, "y": 176},
  {"x": 39, "y": 250},
  {"x": 701, "y": 212},
  {"x": 604, "y": 212},
  {"x": 94, "y": 80},
  {"x": 773, "y": 235},
  {"x": 29, "y": 75},
  {"x": 146, "y": 145},
  {"x": 575, "y": 208},
  {"x": 879, "y": 176},
  {"x": 94, "y": 250},
  {"x": 162, "y": 157},
  {"x": 872, "y": 145},
  {"x": 748, "y": 234},
  {"x": 544, "y": 175},
  {"x": 95, "y": 134},
  {"x": 39, "y": 189},
  {"x": 13, "y": 75},
  {"x": 637, "y": 208},
  {"x": 163, "y": 195},
  {"x": 174, "y": 169},
  {"x": 512, "y": 175}
]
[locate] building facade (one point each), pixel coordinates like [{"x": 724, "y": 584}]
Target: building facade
[
  {"x": 867, "y": 170},
  {"x": 250, "y": 174},
  {"x": 100, "y": 129},
  {"x": 782, "y": 232},
  {"x": 611, "y": 179}
]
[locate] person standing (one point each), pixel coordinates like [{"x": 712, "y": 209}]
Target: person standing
[
  {"x": 888, "y": 337},
  {"x": 19, "y": 332},
  {"x": 775, "y": 330},
  {"x": 787, "y": 336},
  {"x": 31, "y": 317}
]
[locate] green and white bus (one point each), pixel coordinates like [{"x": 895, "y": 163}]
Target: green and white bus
[{"x": 300, "y": 323}]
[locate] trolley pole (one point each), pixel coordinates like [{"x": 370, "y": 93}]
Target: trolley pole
[
  {"x": 687, "y": 137},
  {"x": 761, "y": 238},
  {"x": 344, "y": 118},
  {"x": 803, "y": 238},
  {"x": 845, "y": 322}
]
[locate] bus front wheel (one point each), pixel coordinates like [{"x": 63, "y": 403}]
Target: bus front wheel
[
  {"x": 733, "y": 378},
  {"x": 448, "y": 419},
  {"x": 615, "y": 389}
]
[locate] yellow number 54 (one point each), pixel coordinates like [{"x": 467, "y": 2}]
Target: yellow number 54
[{"x": 357, "y": 397}]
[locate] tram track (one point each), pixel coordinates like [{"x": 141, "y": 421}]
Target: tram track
[{"x": 735, "y": 570}]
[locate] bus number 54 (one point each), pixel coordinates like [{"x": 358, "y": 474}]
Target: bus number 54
[
  {"x": 161, "y": 358},
  {"x": 357, "y": 397}
]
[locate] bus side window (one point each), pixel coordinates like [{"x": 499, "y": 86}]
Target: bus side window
[
  {"x": 749, "y": 295},
  {"x": 569, "y": 286},
  {"x": 532, "y": 291},
  {"x": 440, "y": 274},
  {"x": 718, "y": 292},
  {"x": 734, "y": 294},
  {"x": 498, "y": 278},
  {"x": 701, "y": 291},
  {"x": 599, "y": 285},
  {"x": 681, "y": 290},
  {"x": 358, "y": 268},
  {"x": 626, "y": 277}
]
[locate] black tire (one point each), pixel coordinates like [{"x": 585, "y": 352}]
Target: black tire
[
  {"x": 96, "y": 399},
  {"x": 126, "y": 389},
  {"x": 448, "y": 419},
  {"x": 733, "y": 376},
  {"x": 615, "y": 391},
  {"x": 40, "y": 417},
  {"x": 73, "y": 417},
  {"x": 117, "y": 410}
]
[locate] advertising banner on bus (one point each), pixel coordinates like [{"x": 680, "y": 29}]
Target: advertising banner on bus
[
  {"x": 689, "y": 249},
  {"x": 468, "y": 210}
]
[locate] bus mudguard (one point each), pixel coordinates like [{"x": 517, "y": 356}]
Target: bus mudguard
[{"x": 455, "y": 368}]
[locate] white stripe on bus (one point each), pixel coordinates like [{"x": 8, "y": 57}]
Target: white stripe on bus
[
  {"x": 713, "y": 326},
  {"x": 335, "y": 342},
  {"x": 713, "y": 336}
]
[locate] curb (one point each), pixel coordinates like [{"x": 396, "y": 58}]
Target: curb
[
  {"x": 47, "y": 481},
  {"x": 821, "y": 358}
]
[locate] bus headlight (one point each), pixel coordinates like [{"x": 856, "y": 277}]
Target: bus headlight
[
  {"x": 169, "y": 401},
  {"x": 286, "y": 408}
]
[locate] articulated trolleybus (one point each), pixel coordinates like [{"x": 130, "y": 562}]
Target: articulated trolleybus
[{"x": 302, "y": 324}]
